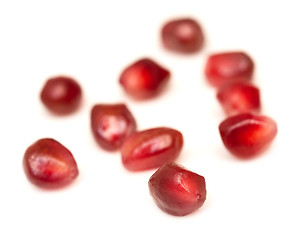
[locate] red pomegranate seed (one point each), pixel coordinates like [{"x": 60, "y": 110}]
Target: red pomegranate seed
[
  {"x": 151, "y": 148},
  {"x": 48, "y": 164},
  {"x": 230, "y": 66},
  {"x": 111, "y": 124},
  {"x": 176, "y": 190},
  {"x": 239, "y": 97},
  {"x": 61, "y": 95},
  {"x": 182, "y": 35},
  {"x": 246, "y": 135},
  {"x": 144, "y": 79}
]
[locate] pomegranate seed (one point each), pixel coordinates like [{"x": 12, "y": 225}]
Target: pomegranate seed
[
  {"x": 151, "y": 148},
  {"x": 176, "y": 190},
  {"x": 245, "y": 135},
  {"x": 48, "y": 164},
  {"x": 111, "y": 124},
  {"x": 144, "y": 79},
  {"x": 239, "y": 97},
  {"x": 182, "y": 35},
  {"x": 61, "y": 95},
  {"x": 231, "y": 66}
]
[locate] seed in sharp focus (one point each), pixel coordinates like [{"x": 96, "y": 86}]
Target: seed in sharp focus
[
  {"x": 111, "y": 124},
  {"x": 176, "y": 190}
]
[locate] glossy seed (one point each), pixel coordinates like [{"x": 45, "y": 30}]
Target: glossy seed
[
  {"x": 151, "y": 148},
  {"x": 49, "y": 164},
  {"x": 111, "y": 124},
  {"x": 177, "y": 191},
  {"x": 144, "y": 79},
  {"x": 246, "y": 135}
]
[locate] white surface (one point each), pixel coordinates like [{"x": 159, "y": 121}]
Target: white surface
[{"x": 93, "y": 41}]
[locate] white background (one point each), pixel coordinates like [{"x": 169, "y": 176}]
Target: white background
[{"x": 93, "y": 41}]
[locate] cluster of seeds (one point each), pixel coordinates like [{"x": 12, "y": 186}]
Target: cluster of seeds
[{"x": 175, "y": 190}]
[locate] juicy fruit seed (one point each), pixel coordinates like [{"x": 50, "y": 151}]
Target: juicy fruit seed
[
  {"x": 239, "y": 97},
  {"x": 144, "y": 79},
  {"x": 151, "y": 148},
  {"x": 111, "y": 124},
  {"x": 61, "y": 95},
  {"x": 229, "y": 66},
  {"x": 176, "y": 190},
  {"x": 182, "y": 35},
  {"x": 48, "y": 164},
  {"x": 246, "y": 135}
]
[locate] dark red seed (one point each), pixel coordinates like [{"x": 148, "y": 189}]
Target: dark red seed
[
  {"x": 144, "y": 79},
  {"x": 182, "y": 35},
  {"x": 230, "y": 66},
  {"x": 151, "y": 148},
  {"x": 48, "y": 164},
  {"x": 111, "y": 124},
  {"x": 176, "y": 190},
  {"x": 61, "y": 95},
  {"x": 246, "y": 135},
  {"x": 239, "y": 97}
]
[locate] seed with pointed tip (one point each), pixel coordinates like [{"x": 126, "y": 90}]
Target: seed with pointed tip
[
  {"x": 144, "y": 79},
  {"x": 246, "y": 135},
  {"x": 225, "y": 67},
  {"x": 48, "y": 164},
  {"x": 111, "y": 124},
  {"x": 151, "y": 148},
  {"x": 177, "y": 191}
]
